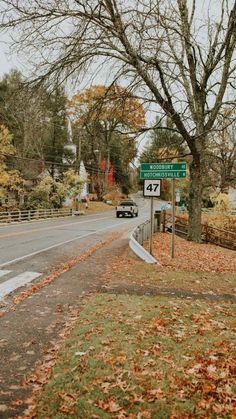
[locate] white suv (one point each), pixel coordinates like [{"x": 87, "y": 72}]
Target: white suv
[{"x": 127, "y": 207}]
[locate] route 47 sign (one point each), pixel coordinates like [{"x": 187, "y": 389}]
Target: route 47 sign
[{"x": 152, "y": 187}]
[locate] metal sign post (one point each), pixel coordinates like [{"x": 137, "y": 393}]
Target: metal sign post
[
  {"x": 173, "y": 221},
  {"x": 151, "y": 188},
  {"x": 151, "y": 226}
]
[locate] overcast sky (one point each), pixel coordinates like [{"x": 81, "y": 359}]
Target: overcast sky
[{"x": 7, "y": 62}]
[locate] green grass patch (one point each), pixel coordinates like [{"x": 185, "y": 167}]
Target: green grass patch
[{"x": 145, "y": 357}]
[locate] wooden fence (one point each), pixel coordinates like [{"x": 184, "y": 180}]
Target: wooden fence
[
  {"x": 29, "y": 215},
  {"x": 224, "y": 238}
]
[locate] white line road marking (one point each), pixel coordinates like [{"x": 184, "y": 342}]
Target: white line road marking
[
  {"x": 16, "y": 282},
  {"x": 4, "y": 272}
]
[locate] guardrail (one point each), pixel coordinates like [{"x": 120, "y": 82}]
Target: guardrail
[
  {"x": 142, "y": 233},
  {"x": 29, "y": 215},
  {"x": 211, "y": 210}
]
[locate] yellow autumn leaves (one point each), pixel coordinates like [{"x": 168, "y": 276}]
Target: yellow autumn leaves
[{"x": 10, "y": 180}]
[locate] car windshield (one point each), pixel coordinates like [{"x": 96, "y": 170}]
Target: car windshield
[{"x": 125, "y": 203}]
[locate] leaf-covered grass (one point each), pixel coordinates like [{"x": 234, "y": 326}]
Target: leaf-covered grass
[
  {"x": 135, "y": 271},
  {"x": 145, "y": 357},
  {"x": 191, "y": 256},
  {"x": 151, "y": 357},
  {"x": 196, "y": 267}
]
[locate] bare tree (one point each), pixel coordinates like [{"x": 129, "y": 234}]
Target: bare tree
[
  {"x": 178, "y": 60},
  {"x": 222, "y": 152}
]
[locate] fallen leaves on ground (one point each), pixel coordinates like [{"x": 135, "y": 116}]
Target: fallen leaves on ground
[
  {"x": 191, "y": 256},
  {"x": 196, "y": 268},
  {"x": 41, "y": 375},
  {"x": 145, "y": 357},
  {"x": 109, "y": 405},
  {"x": 131, "y": 358}
]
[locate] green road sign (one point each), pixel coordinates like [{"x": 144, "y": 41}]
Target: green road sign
[{"x": 163, "y": 170}]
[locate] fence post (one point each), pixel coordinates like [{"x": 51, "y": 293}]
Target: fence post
[
  {"x": 206, "y": 233},
  {"x": 163, "y": 221},
  {"x": 142, "y": 232},
  {"x": 146, "y": 231},
  {"x": 157, "y": 224},
  {"x": 137, "y": 234}
]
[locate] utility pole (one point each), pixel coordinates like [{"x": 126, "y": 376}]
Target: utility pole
[
  {"x": 107, "y": 167},
  {"x": 78, "y": 155},
  {"x": 77, "y": 165}
]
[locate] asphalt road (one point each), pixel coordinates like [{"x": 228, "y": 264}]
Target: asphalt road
[{"x": 32, "y": 249}]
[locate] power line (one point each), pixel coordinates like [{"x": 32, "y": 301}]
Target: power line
[
  {"x": 43, "y": 161},
  {"x": 65, "y": 165}
]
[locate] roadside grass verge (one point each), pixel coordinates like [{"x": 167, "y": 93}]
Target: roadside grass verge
[
  {"x": 136, "y": 272},
  {"x": 202, "y": 268},
  {"x": 145, "y": 357}
]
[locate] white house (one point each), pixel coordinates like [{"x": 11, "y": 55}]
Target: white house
[{"x": 232, "y": 196}]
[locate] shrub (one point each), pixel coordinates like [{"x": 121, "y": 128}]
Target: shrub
[{"x": 47, "y": 194}]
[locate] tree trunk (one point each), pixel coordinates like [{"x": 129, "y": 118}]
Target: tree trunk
[{"x": 195, "y": 200}]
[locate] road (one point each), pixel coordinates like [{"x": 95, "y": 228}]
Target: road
[{"x": 30, "y": 250}]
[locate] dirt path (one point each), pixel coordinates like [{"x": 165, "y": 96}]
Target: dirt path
[{"x": 136, "y": 289}]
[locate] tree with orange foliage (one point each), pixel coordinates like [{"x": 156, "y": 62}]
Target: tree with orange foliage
[
  {"x": 114, "y": 107},
  {"x": 104, "y": 116}
]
